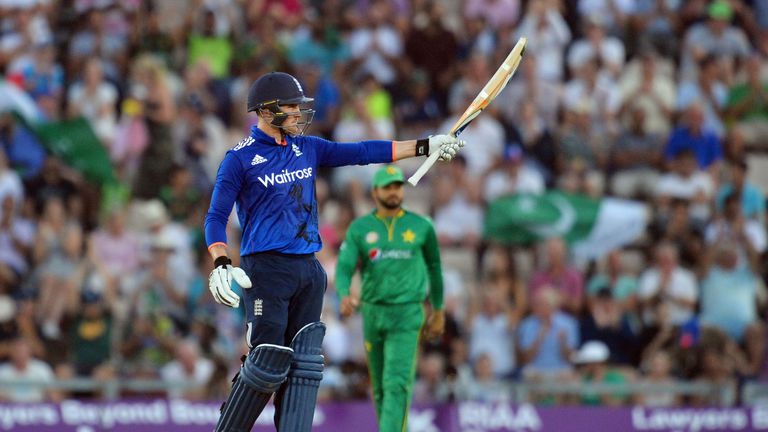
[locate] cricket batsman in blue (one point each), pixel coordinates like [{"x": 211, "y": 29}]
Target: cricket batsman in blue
[{"x": 270, "y": 177}]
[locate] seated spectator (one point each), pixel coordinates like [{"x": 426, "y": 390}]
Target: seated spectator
[
  {"x": 714, "y": 36},
  {"x": 95, "y": 98},
  {"x": 557, "y": 272},
  {"x": 188, "y": 374},
  {"x": 731, "y": 225},
  {"x": 708, "y": 91},
  {"x": 457, "y": 197},
  {"x": 513, "y": 177},
  {"x": 484, "y": 385},
  {"x": 667, "y": 288},
  {"x": 635, "y": 159},
  {"x": 608, "y": 50},
  {"x": 547, "y": 338},
  {"x": 621, "y": 284},
  {"x": 607, "y": 324},
  {"x": 747, "y": 103},
  {"x": 752, "y": 198},
  {"x": 693, "y": 136},
  {"x": 658, "y": 370},
  {"x": 729, "y": 298},
  {"x": 592, "y": 367},
  {"x": 24, "y": 150},
  {"x": 17, "y": 236},
  {"x": 113, "y": 249},
  {"x": 90, "y": 337},
  {"x": 647, "y": 85},
  {"x": 431, "y": 385},
  {"x": 491, "y": 333},
  {"x": 685, "y": 181},
  {"x": 23, "y": 366}
]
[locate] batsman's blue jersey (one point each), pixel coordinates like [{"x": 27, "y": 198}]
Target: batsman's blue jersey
[{"x": 273, "y": 186}]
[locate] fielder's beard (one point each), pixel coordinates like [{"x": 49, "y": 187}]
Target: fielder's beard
[{"x": 390, "y": 203}]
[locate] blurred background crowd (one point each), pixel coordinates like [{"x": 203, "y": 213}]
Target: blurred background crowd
[{"x": 660, "y": 101}]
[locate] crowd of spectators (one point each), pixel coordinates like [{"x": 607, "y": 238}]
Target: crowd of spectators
[{"x": 659, "y": 101}]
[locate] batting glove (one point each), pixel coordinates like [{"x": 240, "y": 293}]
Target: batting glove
[
  {"x": 447, "y": 145},
  {"x": 220, "y": 282}
]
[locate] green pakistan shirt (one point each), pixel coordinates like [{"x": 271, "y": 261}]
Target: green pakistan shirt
[{"x": 397, "y": 256}]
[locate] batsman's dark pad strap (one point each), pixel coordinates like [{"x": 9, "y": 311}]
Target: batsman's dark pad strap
[
  {"x": 222, "y": 261},
  {"x": 262, "y": 373},
  {"x": 297, "y": 407},
  {"x": 422, "y": 147}
]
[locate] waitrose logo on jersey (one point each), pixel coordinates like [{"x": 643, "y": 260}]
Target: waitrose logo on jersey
[{"x": 285, "y": 176}]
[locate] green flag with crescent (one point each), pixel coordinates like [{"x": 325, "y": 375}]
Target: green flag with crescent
[{"x": 591, "y": 226}]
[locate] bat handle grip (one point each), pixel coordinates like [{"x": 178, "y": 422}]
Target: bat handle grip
[{"x": 425, "y": 166}]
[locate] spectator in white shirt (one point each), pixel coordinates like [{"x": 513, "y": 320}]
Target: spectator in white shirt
[
  {"x": 667, "y": 288},
  {"x": 608, "y": 49},
  {"x": 94, "y": 98},
  {"x": 686, "y": 181},
  {"x": 188, "y": 369},
  {"x": 377, "y": 45},
  {"x": 548, "y": 35},
  {"x": 24, "y": 367},
  {"x": 513, "y": 177}
]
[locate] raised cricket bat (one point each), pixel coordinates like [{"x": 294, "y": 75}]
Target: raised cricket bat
[{"x": 492, "y": 88}]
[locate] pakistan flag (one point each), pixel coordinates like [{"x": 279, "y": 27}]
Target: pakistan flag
[{"x": 592, "y": 227}]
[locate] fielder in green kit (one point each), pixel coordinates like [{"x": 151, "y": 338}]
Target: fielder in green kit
[{"x": 398, "y": 253}]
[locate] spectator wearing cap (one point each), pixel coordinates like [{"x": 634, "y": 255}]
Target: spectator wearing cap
[
  {"x": 513, "y": 177},
  {"x": 747, "y": 104},
  {"x": 621, "y": 283},
  {"x": 752, "y": 198},
  {"x": 160, "y": 289},
  {"x": 715, "y": 36},
  {"x": 159, "y": 234},
  {"x": 90, "y": 337},
  {"x": 606, "y": 322},
  {"x": 667, "y": 289},
  {"x": 592, "y": 367},
  {"x": 635, "y": 158}
]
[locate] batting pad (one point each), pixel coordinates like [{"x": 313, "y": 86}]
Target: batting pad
[
  {"x": 297, "y": 407},
  {"x": 262, "y": 373}
]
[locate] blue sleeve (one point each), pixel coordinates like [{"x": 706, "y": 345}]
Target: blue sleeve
[
  {"x": 527, "y": 333},
  {"x": 335, "y": 154},
  {"x": 672, "y": 145},
  {"x": 225, "y": 191}
]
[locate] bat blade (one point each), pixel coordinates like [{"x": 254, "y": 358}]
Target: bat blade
[{"x": 492, "y": 88}]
